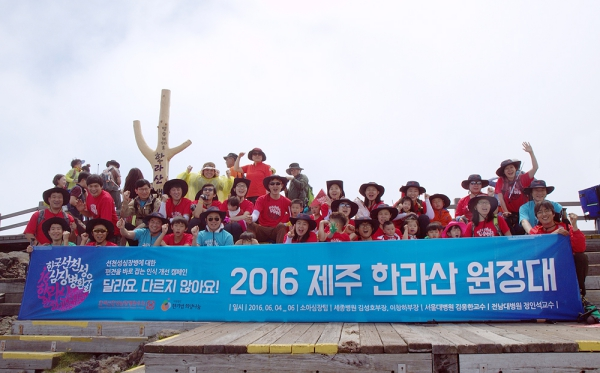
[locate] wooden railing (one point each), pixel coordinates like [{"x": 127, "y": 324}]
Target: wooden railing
[{"x": 18, "y": 213}]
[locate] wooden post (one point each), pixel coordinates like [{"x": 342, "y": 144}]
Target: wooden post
[{"x": 159, "y": 158}]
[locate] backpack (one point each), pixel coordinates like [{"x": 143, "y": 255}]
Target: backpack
[
  {"x": 309, "y": 194},
  {"x": 495, "y": 225},
  {"x": 41, "y": 218},
  {"x": 109, "y": 183}
]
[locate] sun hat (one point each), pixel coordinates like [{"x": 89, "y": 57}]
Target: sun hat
[
  {"x": 339, "y": 183},
  {"x": 364, "y": 187},
  {"x": 268, "y": 179},
  {"x": 453, "y": 223},
  {"x": 238, "y": 180},
  {"x": 391, "y": 209},
  {"x": 175, "y": 183},
  {"x": 473, "y": 202},
  {"x": 504, "y": 164},
  {"x": 111, "y": 162},
  {"x": 47, "y": 193},
  {"x": 157, "y": 215},
  {"x": 364, "y": 219},
  {"x": 210, "y": 210},
  {"x": 412, "y": 184},
  {"x": 208, "y": 166},
  {"x": 259, "y": 150},
  {"x": 55, "y": 220},
  {"x": 335, "y": 205},
  {"x": 90, "y": 225},
  {"x": 443, "y": 197},
  {"x": 312, "y": 224},
  {"x": 293, "y": 166},
  {"x": 475, "y": 177},
  {"x": 538, "y": 184},
  {"x": 230, "y": 155}
]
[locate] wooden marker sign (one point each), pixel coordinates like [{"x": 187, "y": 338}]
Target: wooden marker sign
[{"x": 159, "y": 158}]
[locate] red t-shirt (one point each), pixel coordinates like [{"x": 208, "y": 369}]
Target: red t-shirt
[
  {"x": 256, "y": 174},
  {"x": 245, "y": 206},
  {"x": 183, "y": 208},
  {"x": 169, "y": 239},
  {"x": 36, "y": 229},
  {"x": 103, "y": 207},
  {"x": 577, "y": 238},
  {"x": 312, "y": 237},
  {"x": 487, "y": 229},
  {"x": 395, "y": 237},
  {"x": 518, "y": 197},
  {"x": 108, "y": 243},
  {"x": 338, "y": 237},
  {"x": 272, "y": 211},
  {"x": 462, "y": 208}
]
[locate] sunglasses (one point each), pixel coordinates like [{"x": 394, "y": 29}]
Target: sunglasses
[
  {"x": 99, "y": 231},
  {"x": 475, "y": 182},
  {"x": 256, "y": 153},
  {"x": 214, "y": 219},
  {"x": 275, "y": 183},
  {"x": 344, "y": 205}
]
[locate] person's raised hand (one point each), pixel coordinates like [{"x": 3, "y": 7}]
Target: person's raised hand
[
  {"x": 527, "y": 147},
  {"x": 126, "y": 198},
  {"x": 195, "y": 230},
  {"x": 291, "y": 232},
  {"x": 165, "y": 228},
  {"x": 121, "y": 224},
  {"x": 189, "y": 169}
]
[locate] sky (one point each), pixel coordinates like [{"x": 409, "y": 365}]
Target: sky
[{"x": 385, "y": 91}]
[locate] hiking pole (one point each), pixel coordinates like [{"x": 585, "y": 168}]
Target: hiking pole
[{"x": 515, "y": 183}]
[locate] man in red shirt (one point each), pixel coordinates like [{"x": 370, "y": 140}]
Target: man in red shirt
[
  {"x": 99, "y": 203},
  {"x": 271, "y": 212},
  {"x": 55, "y": 198}
]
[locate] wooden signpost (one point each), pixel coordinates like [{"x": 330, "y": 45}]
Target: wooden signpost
[{"x": 160, "y": 157}]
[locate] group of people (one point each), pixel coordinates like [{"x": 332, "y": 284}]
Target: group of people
[{"x": 252, "y": 204}]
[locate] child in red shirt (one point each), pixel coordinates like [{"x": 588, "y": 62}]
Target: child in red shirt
[
  {"x": 302, "y": 229},
  {"x": 434, "y": 230},
  {"x": 178, "y": 237},
  {"x": 337, "y": 221}
]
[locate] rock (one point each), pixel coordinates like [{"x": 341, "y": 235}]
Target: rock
[
  {"x": 113, "y": 364},
  {"x": 14, "y": 264},
  {"x": 6, "y": 324}
]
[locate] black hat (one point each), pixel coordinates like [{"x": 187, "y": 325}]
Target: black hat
[
  {"x": 474, "y": 177},
  {"x": 538, "y": 184},
  {"x": 175, "y": 183},
  {"x": 364, "y": 187},
  {"x": 412, "y": 184},
  {"x": 335, "y": 205},
  {"x": 392, "y": 210},
  {"x": 90, "y": 225},
  {"x": 473, "y": 202},
  {"x": 339, "y": 183},
  {"x": 48, "y": 223},
  {"x": 211, "y": 210},
  {"x": 112, "y": 162},
  {"x": 238, "y": 180},
  {"x": 363, "y": 219},
  {"x": 230, "y": 155},
  {"x": 515, "y": 162},
  {"x": 312, "y": 224},
  {"x": 259, "y": 150},
  {"x": 47, "y": 193},
  {"x": 157, "y": 215},
  {"x": 268, "y": 179},
  {"x": 293, "y": 166},
  {"x": 443, "y": 197}
]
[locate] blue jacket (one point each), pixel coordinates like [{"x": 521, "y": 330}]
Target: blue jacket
[{"x": 219, "y": 238}]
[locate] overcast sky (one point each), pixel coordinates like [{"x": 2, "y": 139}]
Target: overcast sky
[{"x": 358, "y": 91}]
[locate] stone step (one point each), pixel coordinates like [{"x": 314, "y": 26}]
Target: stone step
[
  {"x": 11, "y": 285},
  {"x": 25, "y": 360},
  {"x": 9, "y": 309},
  {"x": 62, "y": 343},
  {"x": 99, "y": 328}
]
